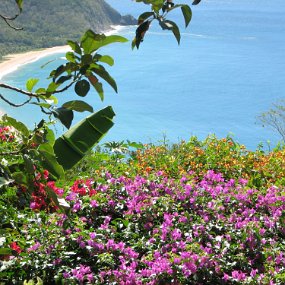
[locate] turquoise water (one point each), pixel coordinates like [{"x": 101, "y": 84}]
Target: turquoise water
[{"x": 228, "y": 69}]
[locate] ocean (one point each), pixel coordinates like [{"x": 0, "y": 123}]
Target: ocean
[{"x": 227, "y": 70}]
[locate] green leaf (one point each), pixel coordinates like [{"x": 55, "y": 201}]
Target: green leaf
[
  {"x": 52, "y": 87},
  {"x": 99, "y": 88},
  {"x": 144, "y": 16},
  {"x": 77, "y": 105},
  {"x": 91, "y": 41},
  {"x": 44, "y": 105},
  {"x": 75, "y": 47},
  {"x": 5, "y": 251},
  {"x": 63, "y": 79},
  {"x": 100, "y": 70},
  {"x": 97, "y": 85},
  {"x": 52, "y": 99},
  {"x": 31, "y": 83},
  {"x": 29, "y": 165},
  {"x": 104, "y": 58},
  {"x": 20, "y": 4},
  {"x": 140, "y": 33},
  {"x": 70, "y": 56},
  {"x": 170, "y": 25},
  {"x": 76, "y": 142},
  {"x": 49, "y": 160},
  {"x": 20, "y": 178},
  {"x": 187, "y": 13},
  {"x": 111, "y": 40},
  {"x": 64, "y": 115},
  {"x": 19, "y": 126},
  {"x": 50, "y": 137},
  {"x": 41, "y": 91},
  {"x": 82, "y": 87},
  {"x": 86, "y": 59}
]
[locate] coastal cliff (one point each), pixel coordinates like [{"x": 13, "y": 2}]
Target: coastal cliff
[{"x": 51, "y": 22}]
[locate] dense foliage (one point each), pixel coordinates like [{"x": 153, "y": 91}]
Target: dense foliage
[
  {"x": 150, "y": 214},
  {"x": 57, "y": 20}
]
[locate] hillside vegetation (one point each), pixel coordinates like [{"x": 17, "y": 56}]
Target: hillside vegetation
[{"x": 51, "y": 22}]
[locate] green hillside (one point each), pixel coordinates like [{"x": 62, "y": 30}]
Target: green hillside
[{"x": 48, "y": 23}]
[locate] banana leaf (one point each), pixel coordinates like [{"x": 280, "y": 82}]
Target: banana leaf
[{"x": 78, "y": 140}]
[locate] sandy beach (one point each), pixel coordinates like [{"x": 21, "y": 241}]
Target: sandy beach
[{"x": 12, "y": 62}]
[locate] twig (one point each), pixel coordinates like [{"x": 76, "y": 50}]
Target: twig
[
  {"x": 13, "y": 104},
  {"x": 31, "y": 94},
  {"x": 7, "y": 19}
]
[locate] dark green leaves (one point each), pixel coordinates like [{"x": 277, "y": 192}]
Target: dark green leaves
[
  {"x": 140, "y": 33},
  {"x": 49, "y": 160},
  {"x": 187, "y": 13},
  {"x": 100, "y": 70},
  {"x": 145, "y": 16},
  {"x": 160, "y": 10},
  {"x": 97, "y": 85},
  {"x": 77, "y": 105},
  {"x": 64, "y": 115},
  {"x": 170, "y": 25},
  {"x": 82, "y": 87},
  {"x": 196, "y": 2}
]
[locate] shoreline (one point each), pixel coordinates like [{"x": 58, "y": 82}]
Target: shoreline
[{"x": 12, "y": 62}]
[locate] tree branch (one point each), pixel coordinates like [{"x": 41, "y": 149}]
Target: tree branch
[
  {"x": 31, "y": 94},
  {"x": 7, "y": 19},
  {"x": 13, "y": 104}
]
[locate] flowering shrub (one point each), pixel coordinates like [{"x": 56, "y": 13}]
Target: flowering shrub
[
  {"x": 6, "y": 134},
  {"x": 156, "y": 230},
  {"x": 196, "y": 212},
  {"x": 222, "y": 155}
]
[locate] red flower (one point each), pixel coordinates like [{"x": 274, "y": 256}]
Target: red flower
[{"x": 15, "y": 247}]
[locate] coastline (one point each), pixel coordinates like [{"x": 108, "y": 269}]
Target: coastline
[{"x": 12, "y": 62}]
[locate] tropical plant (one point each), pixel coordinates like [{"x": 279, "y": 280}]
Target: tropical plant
[{"x": 84, "y": 69}]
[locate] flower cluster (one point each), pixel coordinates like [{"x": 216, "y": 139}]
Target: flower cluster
[
  {"x": 6, "y": 134},
  {"x": 41, "y": 198},
  {"x": 159, "y": 230}
]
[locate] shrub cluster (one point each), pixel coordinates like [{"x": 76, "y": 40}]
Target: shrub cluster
[{"x": 196, "y": 212}]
